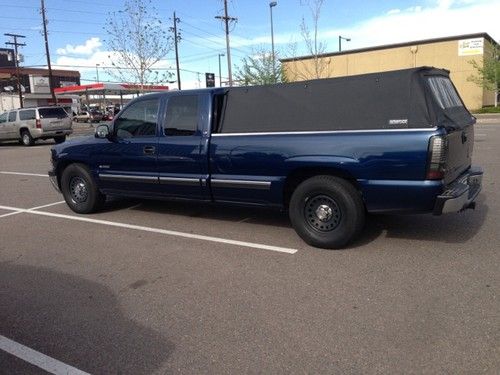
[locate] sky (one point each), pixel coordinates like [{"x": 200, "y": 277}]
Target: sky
[{"x": 78, "y": 41}]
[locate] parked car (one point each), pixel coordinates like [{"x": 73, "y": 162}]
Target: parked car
[
  {"x": 328, "y": 151},
  {"x": 88, "y": 116},
  {"x": 29, "y": 124}
]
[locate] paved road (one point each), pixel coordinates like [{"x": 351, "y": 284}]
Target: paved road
[{"x": 416, "y": 294}]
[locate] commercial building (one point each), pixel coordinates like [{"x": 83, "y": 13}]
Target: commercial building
[
  {"x": 453, "y": 53},
  {"x": 34, "y": 82}
]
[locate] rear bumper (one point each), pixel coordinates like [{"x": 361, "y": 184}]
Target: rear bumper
[
  {"x": 461, "y": 193},
  {"x": 53, "y": 181}
]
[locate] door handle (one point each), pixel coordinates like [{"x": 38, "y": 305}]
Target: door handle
[{"x": 149, "y": 150}]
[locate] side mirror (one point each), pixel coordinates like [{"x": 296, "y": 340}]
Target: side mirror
[{"x": 102, "y": 131}]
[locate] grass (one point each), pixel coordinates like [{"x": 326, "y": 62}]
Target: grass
[{"x": 487, "y": 110}]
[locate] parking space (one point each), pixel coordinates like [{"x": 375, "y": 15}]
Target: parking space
[{"x": 160, "y": 287}]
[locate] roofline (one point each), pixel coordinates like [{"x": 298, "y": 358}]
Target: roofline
[{"x": 396, "y": 45}]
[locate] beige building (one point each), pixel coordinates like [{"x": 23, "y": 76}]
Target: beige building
[{"x": 453, "y": 53}]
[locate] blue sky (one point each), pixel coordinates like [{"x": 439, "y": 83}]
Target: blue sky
[{"x": 76, "y": 28}]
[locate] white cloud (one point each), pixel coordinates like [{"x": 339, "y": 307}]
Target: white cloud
[
  {"x": 394, "y": 11},
  {"x": 435, "y": 19},
  {"x": 91, "y": 46}
]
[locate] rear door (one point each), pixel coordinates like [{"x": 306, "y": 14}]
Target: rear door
[
  {"x": 54, "y": 118},
  {"x": 459, "y": 125},
  {"x": 27, "y": 119},
  {"x": 183, "y": 147}
]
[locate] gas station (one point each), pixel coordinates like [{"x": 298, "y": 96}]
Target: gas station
[{"x": 104, "y": 90}]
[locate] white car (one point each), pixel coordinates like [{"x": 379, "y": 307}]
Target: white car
[{"x": 30, "y": 124}]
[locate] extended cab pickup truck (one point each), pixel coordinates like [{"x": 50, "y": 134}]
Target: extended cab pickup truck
[{"x": 328, "y": 151}]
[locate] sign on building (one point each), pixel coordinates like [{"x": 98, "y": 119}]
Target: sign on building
[
  {"x": 469, "y": 47},
  {"x": 39, "y": 85}
]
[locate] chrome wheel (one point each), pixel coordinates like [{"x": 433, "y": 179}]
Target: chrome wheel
[
  {"x": 78, "y": 189},
  {"x": 26, "y": 139},
  {"x": 322, "y": 213}
]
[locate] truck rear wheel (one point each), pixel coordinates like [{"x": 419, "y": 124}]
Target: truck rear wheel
[
  {"x": 26, "y": 138},
  {"x": 80, "y": 190},
  {"x": 327, "y": 212}
]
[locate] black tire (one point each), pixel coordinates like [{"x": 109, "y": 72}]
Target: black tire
[
  {"x": 80, "y": 190},
  {"x": 26, "y": 138},
  {"x": 60, "y": 139},
  {"x": 327, "y": 212}
]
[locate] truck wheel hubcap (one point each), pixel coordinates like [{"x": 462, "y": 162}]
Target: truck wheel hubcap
[
  {"x": 322, "y": 213},
  {"x": 78, "y": 189}
]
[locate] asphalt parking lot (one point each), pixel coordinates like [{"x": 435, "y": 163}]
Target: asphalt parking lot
[{"x": 159, "y": 287}]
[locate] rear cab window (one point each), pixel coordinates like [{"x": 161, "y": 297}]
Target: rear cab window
[{"x": 55, "y": 112}]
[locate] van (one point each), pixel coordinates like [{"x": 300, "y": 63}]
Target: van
[{"x": 29, "y": 124}]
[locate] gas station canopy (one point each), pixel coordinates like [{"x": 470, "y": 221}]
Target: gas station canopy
[{"x": 108, "y": 89}]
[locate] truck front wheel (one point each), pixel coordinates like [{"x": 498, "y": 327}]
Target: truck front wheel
[
  {"x": 80, "y": 190},
  {"x": 327, "y": 212}
]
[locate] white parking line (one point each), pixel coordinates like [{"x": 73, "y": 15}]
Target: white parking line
[
  {"x": 38, "y": 359},
  {"x": 24, "y": 174},
  {"x": 154, "y": 230},
  {"x": 31, "y": 209}
]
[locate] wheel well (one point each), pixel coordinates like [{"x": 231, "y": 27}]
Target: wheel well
[
  {"x": 23, "y": 129},
  {"x": 298, "y": 176}
]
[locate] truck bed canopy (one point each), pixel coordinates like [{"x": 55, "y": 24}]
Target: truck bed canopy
[{"x": 391, "y": 100}]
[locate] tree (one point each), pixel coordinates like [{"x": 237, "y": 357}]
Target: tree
[
  {"x": 315, "y": 66},
  {"x": 488, "y": 74},
  {"x": 137, "y": 42},
  {"x": 258, "y": 69}
]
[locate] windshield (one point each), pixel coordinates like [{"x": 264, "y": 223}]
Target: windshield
[{"x": 56, "y": 112}]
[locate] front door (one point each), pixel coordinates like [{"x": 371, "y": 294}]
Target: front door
[
  {"x": 127, "y": 163},
  {"x": 182, "y": 148}
]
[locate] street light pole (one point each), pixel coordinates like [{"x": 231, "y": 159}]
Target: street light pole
[
  {"x": 272, "y": 4},
  {"x": 340, "y": 41},
  {"x": 220, "y": 72},
  {"x": 97, "y": 71}
]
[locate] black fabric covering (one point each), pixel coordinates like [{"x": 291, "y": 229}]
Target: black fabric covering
[{"x": 389, "y": 100}]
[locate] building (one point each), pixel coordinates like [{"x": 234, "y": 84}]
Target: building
[
  {"x": 34, "y": 81},
  {"x": 453, "y": 53}
]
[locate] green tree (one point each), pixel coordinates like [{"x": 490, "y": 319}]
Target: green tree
[
  {"x": 137, "y": 41},
  {"x": 488, "y": 73},
  {"x": 258, "y": 69}
]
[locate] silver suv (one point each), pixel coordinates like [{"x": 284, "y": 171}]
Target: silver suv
[{"x": 30, "y": 124}]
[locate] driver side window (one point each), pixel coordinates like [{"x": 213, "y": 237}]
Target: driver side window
[
  {"x": 138, "y": 120},
  {"x": 3, "y": 118}
]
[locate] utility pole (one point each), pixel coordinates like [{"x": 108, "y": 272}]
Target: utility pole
[
  {"x": 177, "y": 38},
  {"x": 16, "y": 60},
  {"x": 226, "y": 20},
  {"x": 51, "y": 78},
  {"x": 220, "y": 73}
]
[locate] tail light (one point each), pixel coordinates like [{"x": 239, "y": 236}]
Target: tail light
[
  {"x": 438, "y": 154},
  {"x": 38, "y": 124}
]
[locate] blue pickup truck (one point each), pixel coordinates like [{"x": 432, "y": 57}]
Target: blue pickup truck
[{"x": 328, "y": 151}]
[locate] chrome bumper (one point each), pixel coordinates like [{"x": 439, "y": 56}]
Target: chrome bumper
[
  {"x": 53, "y": 181},
  {"x": 461, "y": 193}
]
